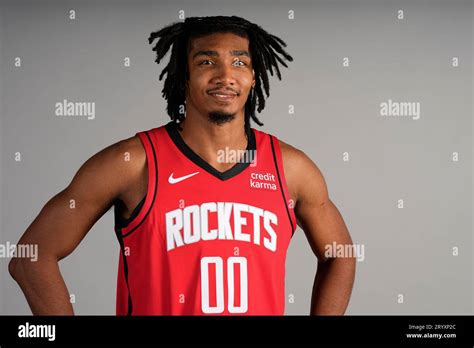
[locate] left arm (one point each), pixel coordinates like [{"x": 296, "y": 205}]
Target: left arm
[
  {"x": 323, "y": 225},
  {"x": 334, "y": 278}
]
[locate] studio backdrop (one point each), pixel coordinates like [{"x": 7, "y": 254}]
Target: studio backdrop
[{"x": 379, "y": 96}]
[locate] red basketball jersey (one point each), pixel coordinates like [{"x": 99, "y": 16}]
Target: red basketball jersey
[{"x": 204, "y": 242}]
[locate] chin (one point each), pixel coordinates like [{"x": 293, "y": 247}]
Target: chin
[
  {"x": 220, "y": 117},
  {"x": 225, "y": 110}
]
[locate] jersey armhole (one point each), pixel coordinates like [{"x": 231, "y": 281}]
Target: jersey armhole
[
  {"x": 278, "y": 160},
  {"x": 126, "y": 226},
  {"x": 119, "y": 205}
]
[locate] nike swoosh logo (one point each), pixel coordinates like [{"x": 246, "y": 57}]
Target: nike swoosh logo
[{"x": 172, "y": 180}]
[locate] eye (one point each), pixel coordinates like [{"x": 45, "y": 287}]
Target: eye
[
  {"x": 202, "y": 62},
  {"x": 240, "y": 61}
]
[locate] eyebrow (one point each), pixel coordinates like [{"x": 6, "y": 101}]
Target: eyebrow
[{"x": 215, "y": 54}]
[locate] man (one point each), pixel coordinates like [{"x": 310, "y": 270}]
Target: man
[{"x": 199, "y": 234}]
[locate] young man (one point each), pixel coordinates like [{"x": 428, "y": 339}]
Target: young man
[{"x": 199, "y": 234}]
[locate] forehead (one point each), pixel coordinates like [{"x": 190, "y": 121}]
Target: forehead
[{"x": 215, "y": 41}]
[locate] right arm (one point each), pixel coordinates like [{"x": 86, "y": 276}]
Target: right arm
[{"x": 65, "y": 220}]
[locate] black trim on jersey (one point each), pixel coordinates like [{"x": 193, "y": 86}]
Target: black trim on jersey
[
  {"x": 125, "y": 269},
  {"x": 281, "y": 186},
  {"x": 189, "y": 153},
  {"x": 119, "y": 206},
  {"x": 137, "y": 209}
]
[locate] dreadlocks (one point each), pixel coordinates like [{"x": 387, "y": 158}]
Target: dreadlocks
[{"x": 263, "y": 50}]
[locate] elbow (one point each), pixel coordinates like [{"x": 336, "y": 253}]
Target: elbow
[
  {"x": 13, "y": 268},
  {"x": 16, "y": 267},
  {"x": 26, "y": 269}
]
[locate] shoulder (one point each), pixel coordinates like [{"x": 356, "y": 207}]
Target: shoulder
[
  {"x": 113, "y": 168},
  {"x": 127, "y": 159},
  {"x": 121, "y": 155},
  {"x": 131, "y": 148},
  {"x": 304, "y": 178}
]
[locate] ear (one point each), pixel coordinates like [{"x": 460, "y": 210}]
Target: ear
[{"x": 253, "y": 80}]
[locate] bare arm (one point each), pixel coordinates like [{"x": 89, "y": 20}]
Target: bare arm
[
  {"x": 322, "y": 224},
  {"x": 65, "y": 220}
]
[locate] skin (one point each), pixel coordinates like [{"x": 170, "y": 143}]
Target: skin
[{"x": 58, "y": 229}]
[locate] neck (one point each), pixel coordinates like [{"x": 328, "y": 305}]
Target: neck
[{"x": 207, "y": 139}]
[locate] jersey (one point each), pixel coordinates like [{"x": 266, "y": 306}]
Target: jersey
[{"x": 205, "y": 242}]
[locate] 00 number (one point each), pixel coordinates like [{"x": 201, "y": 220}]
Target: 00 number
[{"x": 205, "y": 285}]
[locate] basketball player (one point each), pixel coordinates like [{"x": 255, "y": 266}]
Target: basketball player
[{"x": 199, "y": 233}]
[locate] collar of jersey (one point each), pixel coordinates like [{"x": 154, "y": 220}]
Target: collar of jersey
[{"x": 175, "y": 136}]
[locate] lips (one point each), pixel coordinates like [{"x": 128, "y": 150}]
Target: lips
[{"x": 223, "y": 95}]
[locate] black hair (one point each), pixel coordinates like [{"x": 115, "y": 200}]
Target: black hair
[{"x": 263, "y": 51}]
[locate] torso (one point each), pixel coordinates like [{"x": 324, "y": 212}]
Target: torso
[{"x": 231, "y": 215}]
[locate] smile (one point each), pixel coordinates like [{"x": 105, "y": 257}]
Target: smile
[{"x": 223, "y": 96}]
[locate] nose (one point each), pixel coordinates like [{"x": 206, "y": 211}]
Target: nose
[{"x": 224, "y": 76}]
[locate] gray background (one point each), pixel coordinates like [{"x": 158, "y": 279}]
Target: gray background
[{"x": 407, "y": 251}]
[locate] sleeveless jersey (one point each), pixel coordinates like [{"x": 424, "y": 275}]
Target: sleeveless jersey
[{"x": 205, "y": 242}]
